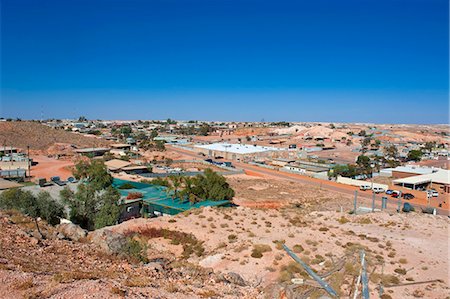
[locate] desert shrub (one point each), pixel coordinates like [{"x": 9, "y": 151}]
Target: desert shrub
[
  {"x": 343, "y": 220},
  {"x": 43, "y": 205},
  {"x": 126, "y": 186},
  {"x": 232, "y": 238},
  {"x": 134, "y": 251},
  {"x": 298, "y": 248},
  {"x": 400, "y": 271},
  {"x": 259, "y": 249},
  {"x": 190, "y": 244},
  {"x": 288, "y": 271}
]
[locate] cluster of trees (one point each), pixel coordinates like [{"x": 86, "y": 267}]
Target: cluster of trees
[
  {"x": 153, "y": 145},
  {"x": 42, "y": 205},
  {"x": 209, "y": 185},
  {"x": 363, "y": 166},
  {"x": 94, "y": 204}
]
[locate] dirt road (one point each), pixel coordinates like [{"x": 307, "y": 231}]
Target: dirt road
[
  {"x": 330, "y": 185},
  {"x": 48, "y": 167}
]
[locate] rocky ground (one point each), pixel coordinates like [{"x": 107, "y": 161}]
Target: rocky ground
[
  {"x": 41, "y": 138},
  {"x": 275, "y": 193},
  {"x": 407, "y": 254},
  {"x": 232, "y": 252},
  {"x": 32, "y": 267}
]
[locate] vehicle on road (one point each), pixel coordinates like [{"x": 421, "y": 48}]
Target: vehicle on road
[
  {"x": 432, "y": 193},
  {"x": 396, "y": 194},
  {"x": 364, "y": 187},
  {"x": 378, "y": 190},
  {"x": 408, "y": 196},
  {"x": 389, "y": 191}
]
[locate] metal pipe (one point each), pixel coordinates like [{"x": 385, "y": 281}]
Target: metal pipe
[
  {"x": 364, "y": 278},
  {"x": 311, "y": 273}
]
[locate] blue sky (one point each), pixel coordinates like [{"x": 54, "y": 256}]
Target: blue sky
[{"x": 322, "y": 60}]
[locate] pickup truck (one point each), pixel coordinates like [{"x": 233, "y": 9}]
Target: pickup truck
[{"x": 378, "y": 190}]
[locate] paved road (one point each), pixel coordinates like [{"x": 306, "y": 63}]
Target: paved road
[{"x": 329, "y": 185}]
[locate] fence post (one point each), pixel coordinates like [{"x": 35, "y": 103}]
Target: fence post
[
  {"x": 373, "y": 201},
  {"x": 355, "y": 202},
  {"x": 383, "y": 203},
  {"x": 399, "y": 204}
]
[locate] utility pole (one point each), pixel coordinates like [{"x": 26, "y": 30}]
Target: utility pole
[{"x": 29, "y": 161}]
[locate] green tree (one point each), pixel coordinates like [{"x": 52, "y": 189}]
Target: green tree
[
  {"x": 49, "y": 209},
  {"x": 365, "y": 143},
  {"x": 364, "y": 163},
  {"x": 205, "y": 129},
  {"x": 415, "y": 155},
  {"x": 42, "y": 206},
  {"x": 429, "y": 146},
  {"x": 94, "y": 172},
  {"x": 126, "y": 131},
  {"x": 91, "y": 208},
  {"x": 109, "y": 210},
  {"x": 153, "y": 134},
  {"x": 96, "y": 203},
  {"x": 391, "y": 152},
  {"x": 213, "y": 186},
  {"x": 175, "y": 185}
]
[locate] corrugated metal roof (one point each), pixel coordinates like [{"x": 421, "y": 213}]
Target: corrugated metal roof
[
  {"x": 237, "y": 148},
  {"x": 441, "y": 176}
]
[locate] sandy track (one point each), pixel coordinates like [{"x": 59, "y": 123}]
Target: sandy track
[{"x": 48, "y": 167}]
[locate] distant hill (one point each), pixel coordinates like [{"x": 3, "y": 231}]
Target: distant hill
[{"x": 40, "y": 137}]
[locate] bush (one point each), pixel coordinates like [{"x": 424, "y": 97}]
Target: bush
[
  {"x": 126, "y": 186},
  {"x": 160, "y": 182},
  {"x": 298, "y": 248},
  {"x": 259, "y": 249},
  {"x": 134, "y": 250},
  {"x": 43, "y": 206}
]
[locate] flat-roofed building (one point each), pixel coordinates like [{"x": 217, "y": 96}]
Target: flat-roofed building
[
  {"x": 437, "y": 179},
  {"x": 92, "y": 151},
  {"x": 236, "y": 151},
  {"x": 408, "y": 171}
]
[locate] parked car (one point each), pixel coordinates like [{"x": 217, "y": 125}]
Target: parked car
[
  {"x": 57, "y": 181},
  {"x": 408, "y": 196},
  {"x": 72, "y": 180},
  {"x": 55, "y": 178},
  {"x": 364, "y": 187},
  {"x": 432, "y": 193},
  {"x": 378, "y": 190},
  {"x": 396, "y": 194},
  {"x": 389, "y": 191}
]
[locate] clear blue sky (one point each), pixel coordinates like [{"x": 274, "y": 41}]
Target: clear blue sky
[{"x": 382, "y": 61}]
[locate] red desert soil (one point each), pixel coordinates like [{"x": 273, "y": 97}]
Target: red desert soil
[{"x": 48, "y": 167}]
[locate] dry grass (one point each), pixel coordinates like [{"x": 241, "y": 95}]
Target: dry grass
[{"x": 137, "y": 281}]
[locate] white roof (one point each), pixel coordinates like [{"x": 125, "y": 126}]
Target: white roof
[
  {"x": 237, "y": 148},
  {"x": 414, "y": 169},
  {"x": 441, "y": 176}
]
